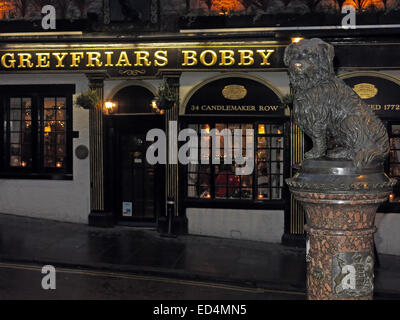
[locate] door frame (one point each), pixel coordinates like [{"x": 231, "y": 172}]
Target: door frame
[{"x": 112, "y": 124}]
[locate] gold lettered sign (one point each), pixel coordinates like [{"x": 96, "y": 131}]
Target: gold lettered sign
[{"x": 143, "y": 60}]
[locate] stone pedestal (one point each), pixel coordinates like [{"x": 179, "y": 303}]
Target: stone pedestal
[{"x": 340, "y": 203}]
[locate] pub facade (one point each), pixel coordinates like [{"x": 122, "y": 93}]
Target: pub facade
[{"x": 63, "y": 161}]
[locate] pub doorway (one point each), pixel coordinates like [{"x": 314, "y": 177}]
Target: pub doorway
[{"x": 136, "y": 188}]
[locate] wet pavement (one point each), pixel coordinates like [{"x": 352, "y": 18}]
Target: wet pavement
[{"x": 144, "y": 252}]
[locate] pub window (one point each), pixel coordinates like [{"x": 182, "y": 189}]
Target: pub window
[
  {"x": 219, "y": 181},
  {"x": 37, "y": 131},
  {"x": 53, "y": 131},
  {"x": 19, "y": 131},
  {"x": 394, "y": 159}
]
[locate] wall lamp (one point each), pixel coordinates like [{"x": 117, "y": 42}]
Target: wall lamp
[
  {"x": 296, "y": 39},
  {"x": 155, "y": 106},
  {"x": 110, "y": 107}
]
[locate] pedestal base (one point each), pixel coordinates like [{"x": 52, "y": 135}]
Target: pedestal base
[
  {"x": 340, "y": 265},
  {"x": 340, "y": 204}
]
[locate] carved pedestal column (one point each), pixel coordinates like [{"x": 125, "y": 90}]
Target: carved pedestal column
[{"x": 340, "y": 204}]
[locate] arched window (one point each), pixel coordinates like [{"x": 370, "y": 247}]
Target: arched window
[{"x": 253, "y": 111}]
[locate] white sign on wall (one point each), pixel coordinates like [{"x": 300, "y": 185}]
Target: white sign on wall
[{"x": 127, "y": 209}]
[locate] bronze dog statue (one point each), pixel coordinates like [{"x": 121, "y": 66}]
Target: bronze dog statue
[{"x": 324, "y": 106}]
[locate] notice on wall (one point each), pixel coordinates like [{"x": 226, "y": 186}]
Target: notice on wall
[{"x": 127, "y": 209}]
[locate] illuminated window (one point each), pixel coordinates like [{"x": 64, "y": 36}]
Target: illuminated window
[
  {"x": 54, "y": 133},
  {"x": 219, "y": 181},
  {"x": 20, "y": 132},
  {"x": 37, "y": 130}
]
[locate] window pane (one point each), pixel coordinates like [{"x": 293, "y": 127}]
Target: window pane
[
  {"x": 15, "y": 137},
  {"x": 49, "y": 114},
  {"x": 263, "y": 180},
  {"x": 227, "y": 184},
  {"x": 276, "y": 193},
  {"x": 276, "y": 129},
  {"x": 15, "y": 103},
  {"x": 247, "y": 193},
  {"x": 246, "y": 183},
  {"x": 394, "y": 156},
  {"x": 50, "y": 103},
  {"x": 54, "y": 132},
  {"x": 61, "y": 103},
  {"x": 228, "y": 180},
  {"x": 205, "y": 144},
  {"x": 263, "y": 154},
  {"x": 269, "y": 161},
  {"x": 199, "y": 181},
  {"x": 15, "y": 126},
  {"x": 60, "y": 114},
  {"x": 61, "y": 111},
  {"x": 276, "y": 142},
  {"x": 395, "y": 169},
  {"x": 263, "y": 142},
  {"x": 233, "y": 126},
  {"x": 396, "y": 129},
  {"x": 59, "y": 126},
  {"x": 20, "y": 135},
  {"x": 264, "y": 129},
  {"x": 27, "y": 103},
  {"x": 16, "y": 114},
  {"x": 204, "y": 185}
]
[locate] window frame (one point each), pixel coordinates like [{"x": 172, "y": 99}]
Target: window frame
[
  {"x": 254, "y": 203},
  {"x": 37, "y": 93}
]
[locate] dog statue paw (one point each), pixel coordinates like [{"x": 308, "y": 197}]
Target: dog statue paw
[
  {"x": 340, "y": 153},
  {"x": 314, "y": 153}
]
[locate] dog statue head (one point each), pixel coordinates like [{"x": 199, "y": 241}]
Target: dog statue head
[{"x": 309, "y": 62}]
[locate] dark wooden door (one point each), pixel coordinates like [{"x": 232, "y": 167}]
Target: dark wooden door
[{"x": 140, "y": 186}]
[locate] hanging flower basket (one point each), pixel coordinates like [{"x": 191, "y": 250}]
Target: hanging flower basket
[
  {"x": 88, "y": 99},
  {"x": 167, "y": 97},
  {"x": 166, "y": 104}
]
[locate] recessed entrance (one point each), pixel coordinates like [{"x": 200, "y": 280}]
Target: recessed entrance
[{"x": 138, "y": 188}]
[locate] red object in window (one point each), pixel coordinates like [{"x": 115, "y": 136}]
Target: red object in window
[{"x": 222, "y": 185}]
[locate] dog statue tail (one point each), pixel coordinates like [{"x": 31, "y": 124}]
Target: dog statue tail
[{"x": 376, "y": 155}]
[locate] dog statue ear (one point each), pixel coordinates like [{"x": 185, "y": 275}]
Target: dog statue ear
[
  {"x": 288, "y": 54},
  {"x": 328, "y": 50}
]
